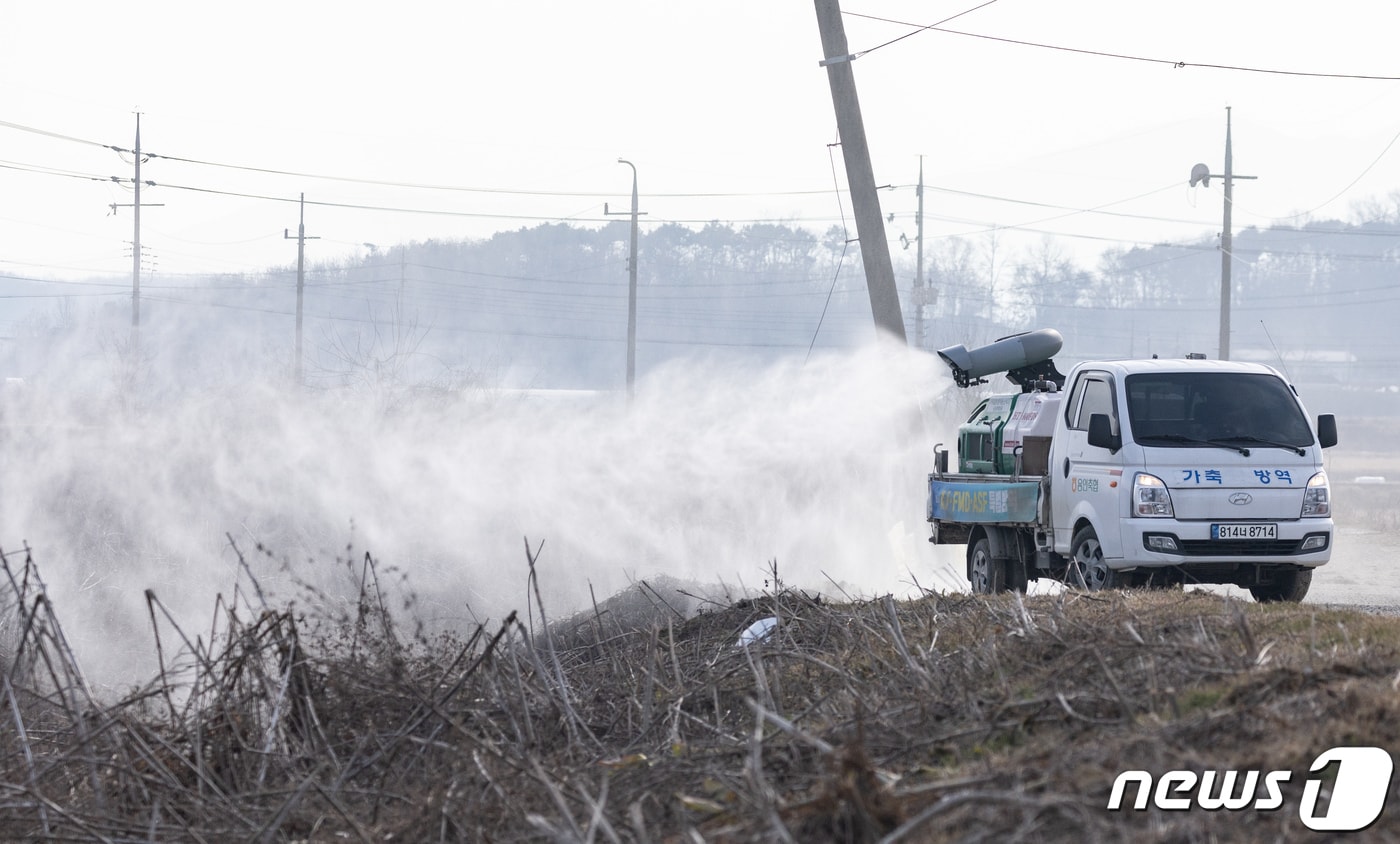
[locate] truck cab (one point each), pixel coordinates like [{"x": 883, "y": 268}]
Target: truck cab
[{"x": 1202, "y": 471}]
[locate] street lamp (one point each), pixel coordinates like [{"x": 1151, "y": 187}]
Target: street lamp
[{"x": 1201, "y": 173}]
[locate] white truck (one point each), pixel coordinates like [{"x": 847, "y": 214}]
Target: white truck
[{"x": 1133, "y": 473}]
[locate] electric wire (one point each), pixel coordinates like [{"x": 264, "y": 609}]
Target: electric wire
[
  {"x": 984, "y": 227},
  {"x": 125, "y": 183},
  {"x": 1122, "y": 56},
  {"x": 50, "y": 134},
  {"x": 1349, "y": 186},
  {"x": 916, "y": 31},
  {"x": 845, "y": 244},
  {"x": 471, "y": 330},
  {"x": 466, "y": 189}
]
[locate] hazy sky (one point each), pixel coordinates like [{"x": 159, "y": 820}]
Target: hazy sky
[{"x": 516, "y": 114}]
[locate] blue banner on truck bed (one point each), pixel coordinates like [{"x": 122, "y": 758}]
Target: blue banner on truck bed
[{"x": 977, "y": 501}]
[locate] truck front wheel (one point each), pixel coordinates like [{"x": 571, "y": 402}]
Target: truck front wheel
[
  {"x": 986, "y": 573},
  {"x": 1291, "y": 586},
  {"x": 1087, "y": 569}
]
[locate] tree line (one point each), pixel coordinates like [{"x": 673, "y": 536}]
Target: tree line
[{"x": 546, "y": 306}]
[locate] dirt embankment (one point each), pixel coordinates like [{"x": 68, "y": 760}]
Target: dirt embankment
[{"x": 947, "y": 718}]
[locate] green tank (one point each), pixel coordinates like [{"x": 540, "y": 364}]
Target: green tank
[{"x": 980, "y": 438}]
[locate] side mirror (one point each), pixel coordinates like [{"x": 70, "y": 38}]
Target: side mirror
[
  {"x": 1326, "y": 430},
  {"x": 1101, "y": 433}
]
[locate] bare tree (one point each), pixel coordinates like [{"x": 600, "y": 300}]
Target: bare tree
[{"x": 388, "y": 361}]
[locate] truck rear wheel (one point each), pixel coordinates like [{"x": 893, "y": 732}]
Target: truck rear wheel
[
  {"x": 1087, "y": 569},
  {"x": 1291, "y": 586},
  {"x": 986, "y": 573}
]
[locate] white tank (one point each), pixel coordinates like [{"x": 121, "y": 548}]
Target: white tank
[{"x": 1029, "y": 429}]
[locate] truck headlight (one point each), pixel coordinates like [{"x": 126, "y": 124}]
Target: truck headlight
[
  {"x": 1317, "y": 499},
  {"x": 1150, "y": 497}
]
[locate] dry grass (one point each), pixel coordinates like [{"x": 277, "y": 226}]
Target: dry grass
[{"x": 947, "y": 718}]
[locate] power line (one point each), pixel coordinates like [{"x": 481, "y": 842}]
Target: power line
[
  {"x": 915, "y": 32},
  {"x": 390, "y": 183},
  {"x": 1097, "y": 209},
  {"x": 1100, "y": 209},
  {"x": 355, "y": 180},
  {"x": 840, "y": 260},
  {"x": 53, "y": 171},
  {"x": 473, "y": 330},
  {"x": 984, "y": 226},
  {"x": 1027, "y": 227},
  {"x": 653, "y": 223},
  {"x": 49, "y": 134},
  {"x": 6, "y": 277},
  {"x": 442, "y": 212},
  {"x": 1349, "y": 186},
  {"x": 466, "y": 189},
  {"x": 58, "y": 295},
  {"x": 1122, "y": 56}
]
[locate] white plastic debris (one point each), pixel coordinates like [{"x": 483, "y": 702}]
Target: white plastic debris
[{"x": 757, "y": 631}]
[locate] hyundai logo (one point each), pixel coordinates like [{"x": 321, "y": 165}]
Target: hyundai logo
[{"x": 1241, "y": 498}]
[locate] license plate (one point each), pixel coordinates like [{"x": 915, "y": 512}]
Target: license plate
[{"x": 1244, "y": 531}]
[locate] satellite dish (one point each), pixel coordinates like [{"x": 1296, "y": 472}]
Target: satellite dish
[{"x": 1200, "y": 173}]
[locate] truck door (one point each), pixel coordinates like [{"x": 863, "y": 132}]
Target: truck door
[{"x": 1085, "y": 478}]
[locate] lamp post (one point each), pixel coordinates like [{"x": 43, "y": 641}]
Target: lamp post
[{"x": 1201, "y": 173}]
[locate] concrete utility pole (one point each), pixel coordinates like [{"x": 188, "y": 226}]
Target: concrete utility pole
[
  {"x": 1201, "y": 173},
  {"x": 631, "y": 284},
  {"x": 136, "y": 248},
  {"x": 870, "y": 226},
  {"x": 921, "y": 293},
  {"x": 135, "y": 206},
  {"x": 301, "y": 283}
]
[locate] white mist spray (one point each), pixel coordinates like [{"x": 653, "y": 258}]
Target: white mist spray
[{"x": 713, "y": 471}]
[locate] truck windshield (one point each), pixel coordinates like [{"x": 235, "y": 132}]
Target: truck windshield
[{"x": 1194, "y": 409}]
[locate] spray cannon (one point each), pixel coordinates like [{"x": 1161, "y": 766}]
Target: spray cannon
[{"x": 1024, "y": 357}]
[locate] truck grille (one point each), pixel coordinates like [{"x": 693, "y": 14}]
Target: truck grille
[{"x": 1238, "y": 548}]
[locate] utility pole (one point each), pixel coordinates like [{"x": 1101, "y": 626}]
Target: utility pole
[
  {"x": 922, "y": 294},
  {"x": 631, "y": 284},
  {"x": 136, "y": 251},
  {"x": 301, "y": 283},
  {"x": 1227, "y": 252},
  {"x": 135, "y": 206},
  {"x": 870, "y": 226},
  {"x": 1201, "y": 173}
]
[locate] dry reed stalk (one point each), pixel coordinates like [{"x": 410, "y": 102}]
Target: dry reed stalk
[{"x": 870, "y": 720}]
